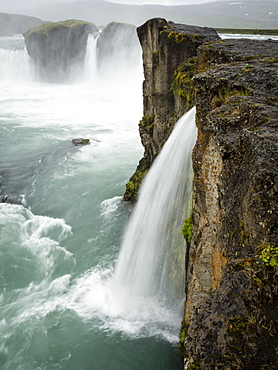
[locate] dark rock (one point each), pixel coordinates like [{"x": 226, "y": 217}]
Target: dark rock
[
  {"x": 59, "y": 49},
  {"x": 235, "y": 207},
  {"x": 231, "y": 306},
  {"x": 165, "y": 46},
  {"x": 81, "y": 141}
]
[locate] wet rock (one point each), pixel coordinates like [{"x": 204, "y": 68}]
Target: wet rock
[
  {"x": 78, "y": 142},
  {"x": 165, "y": 46},
  {"x": 229, "y": 288},
  {"x": 59, "y": 49},
  {"x": 118, "y": 45}
]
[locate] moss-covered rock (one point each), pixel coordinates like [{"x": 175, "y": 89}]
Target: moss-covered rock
[
  {"x": 58, "y": 49},
  {"x": 231, "y": 308}
]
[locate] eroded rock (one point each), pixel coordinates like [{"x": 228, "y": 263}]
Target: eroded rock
[{"x": 59, "y": 49}]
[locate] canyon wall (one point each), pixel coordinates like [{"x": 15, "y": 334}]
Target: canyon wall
[{"x": 231, "y": 307}]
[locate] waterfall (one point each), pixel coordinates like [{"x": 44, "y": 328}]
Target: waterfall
[
  {"x": 91, "y": 58},
  {"x": 152, "y": 259},
  {"x": 15, "y": 65}
]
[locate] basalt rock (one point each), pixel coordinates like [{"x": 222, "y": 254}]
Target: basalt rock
[
  {"x": 78, "y": 142},
  {"x": 165, "y": 45},
  {"x": 59, "y": 49},
  {"x": 231, "y": 308}
]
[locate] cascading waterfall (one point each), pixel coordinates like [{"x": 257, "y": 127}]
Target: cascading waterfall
[
  {"x": 91, "y": 58},
  {"x": 151, "y": 261},
  {"x": 15, "y": 65},
  {"x": 62, "y": 304}
]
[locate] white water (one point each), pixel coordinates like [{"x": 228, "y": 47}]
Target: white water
[
  {"x": 152, "y": 258},
  {"x": 59, "y": 304}
]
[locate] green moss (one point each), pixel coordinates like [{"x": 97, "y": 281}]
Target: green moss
[
  {"x": 187, "y": 229},
  {"x": 223, "y": 95},
  {"x": 43, "y": 29},
  {"x": 177, "y": 37},
  {"x": 269, "y": 255},
  {"x": 147, "y": 122},
  {"x": 133, "y": 186}
]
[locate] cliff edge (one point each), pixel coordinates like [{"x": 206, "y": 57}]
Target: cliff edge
[
  {"x": 231, "y": 297},
  {"x": 231, "y": 308}
]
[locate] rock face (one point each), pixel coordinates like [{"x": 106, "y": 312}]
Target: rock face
[
  {"x": 231, "y": 309},
  {"x": 231, "y": 306},
  {"x": 165, "y": 46},
  {"x": 118, "y": 45},
  {"x": 11, "y": 24},
  {"x": 58, "y": 49}
]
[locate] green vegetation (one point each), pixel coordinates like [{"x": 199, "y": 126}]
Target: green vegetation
[
  {"x": 134, "y": 184},
  {"x": 43, "y": 29},
  {"x": 187, "y": 229},
  {"x": 178, "y": 37},
  {"x": 147, "y": 122},
  {"x": 269, "y": 255}
]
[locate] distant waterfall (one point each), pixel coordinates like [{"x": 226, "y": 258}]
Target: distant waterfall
[
  {"x": 16, "y": 66},
  {"x": 152, "y": 258},
  {"x": 91, "y": 58}
]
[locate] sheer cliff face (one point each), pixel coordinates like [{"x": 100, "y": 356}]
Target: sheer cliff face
[
  {"x": 58, "y": 49},
  {"x": 231, "y": 308},
  {"x": 231, "y": 304},
  {"x": 165, "y": 45}
]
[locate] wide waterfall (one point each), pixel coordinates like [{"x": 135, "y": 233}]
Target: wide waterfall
[
  {"x": 152, "y": 258},
  {"x": 62, "y": 222}
]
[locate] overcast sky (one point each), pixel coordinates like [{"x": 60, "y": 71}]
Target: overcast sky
[
  {"x": 14, "y": 4},
  {"x": 161, "y": 2}
]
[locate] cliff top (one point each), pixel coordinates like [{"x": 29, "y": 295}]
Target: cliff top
[{"x": 46, "y": 28}]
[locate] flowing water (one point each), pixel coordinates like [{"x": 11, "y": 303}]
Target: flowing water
[{"x": 61, "y": 228}]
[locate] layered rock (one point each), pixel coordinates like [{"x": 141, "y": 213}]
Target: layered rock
[
  {"x": 231, "y": 309},
  {"x": 11, "y": 24},
  {"x": 165, "y": 46},
  {"x": 231, "y": 306},
  {"x": 59, "y": 49}
]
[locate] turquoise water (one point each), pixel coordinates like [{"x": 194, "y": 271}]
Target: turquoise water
[{"x": 61, "y": 236}]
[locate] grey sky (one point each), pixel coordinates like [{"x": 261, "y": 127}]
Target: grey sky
[{"x": 13, "y": 5}]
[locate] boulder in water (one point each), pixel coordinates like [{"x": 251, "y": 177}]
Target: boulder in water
[
  {"x": 80, "y": 141},
  {"x": 59, "y": 49}
]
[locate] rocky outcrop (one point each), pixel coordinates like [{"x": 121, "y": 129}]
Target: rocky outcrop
[
  {"x": 59, "y": 49},
  {"x": 118, "y": 46},
  {"x": 11, "y": 24},
  {"x": 231, "y": 308},
  {"x": 165, "y": 46}
]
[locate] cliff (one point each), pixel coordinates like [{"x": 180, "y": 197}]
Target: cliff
[
  {"x": 231, "y": 308},
  {"x": 11, "y": 24},
  {"x": 58, "y": 49},
  {"x": 165, "y": 45},
  {"x": 118, "y": 42}
]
